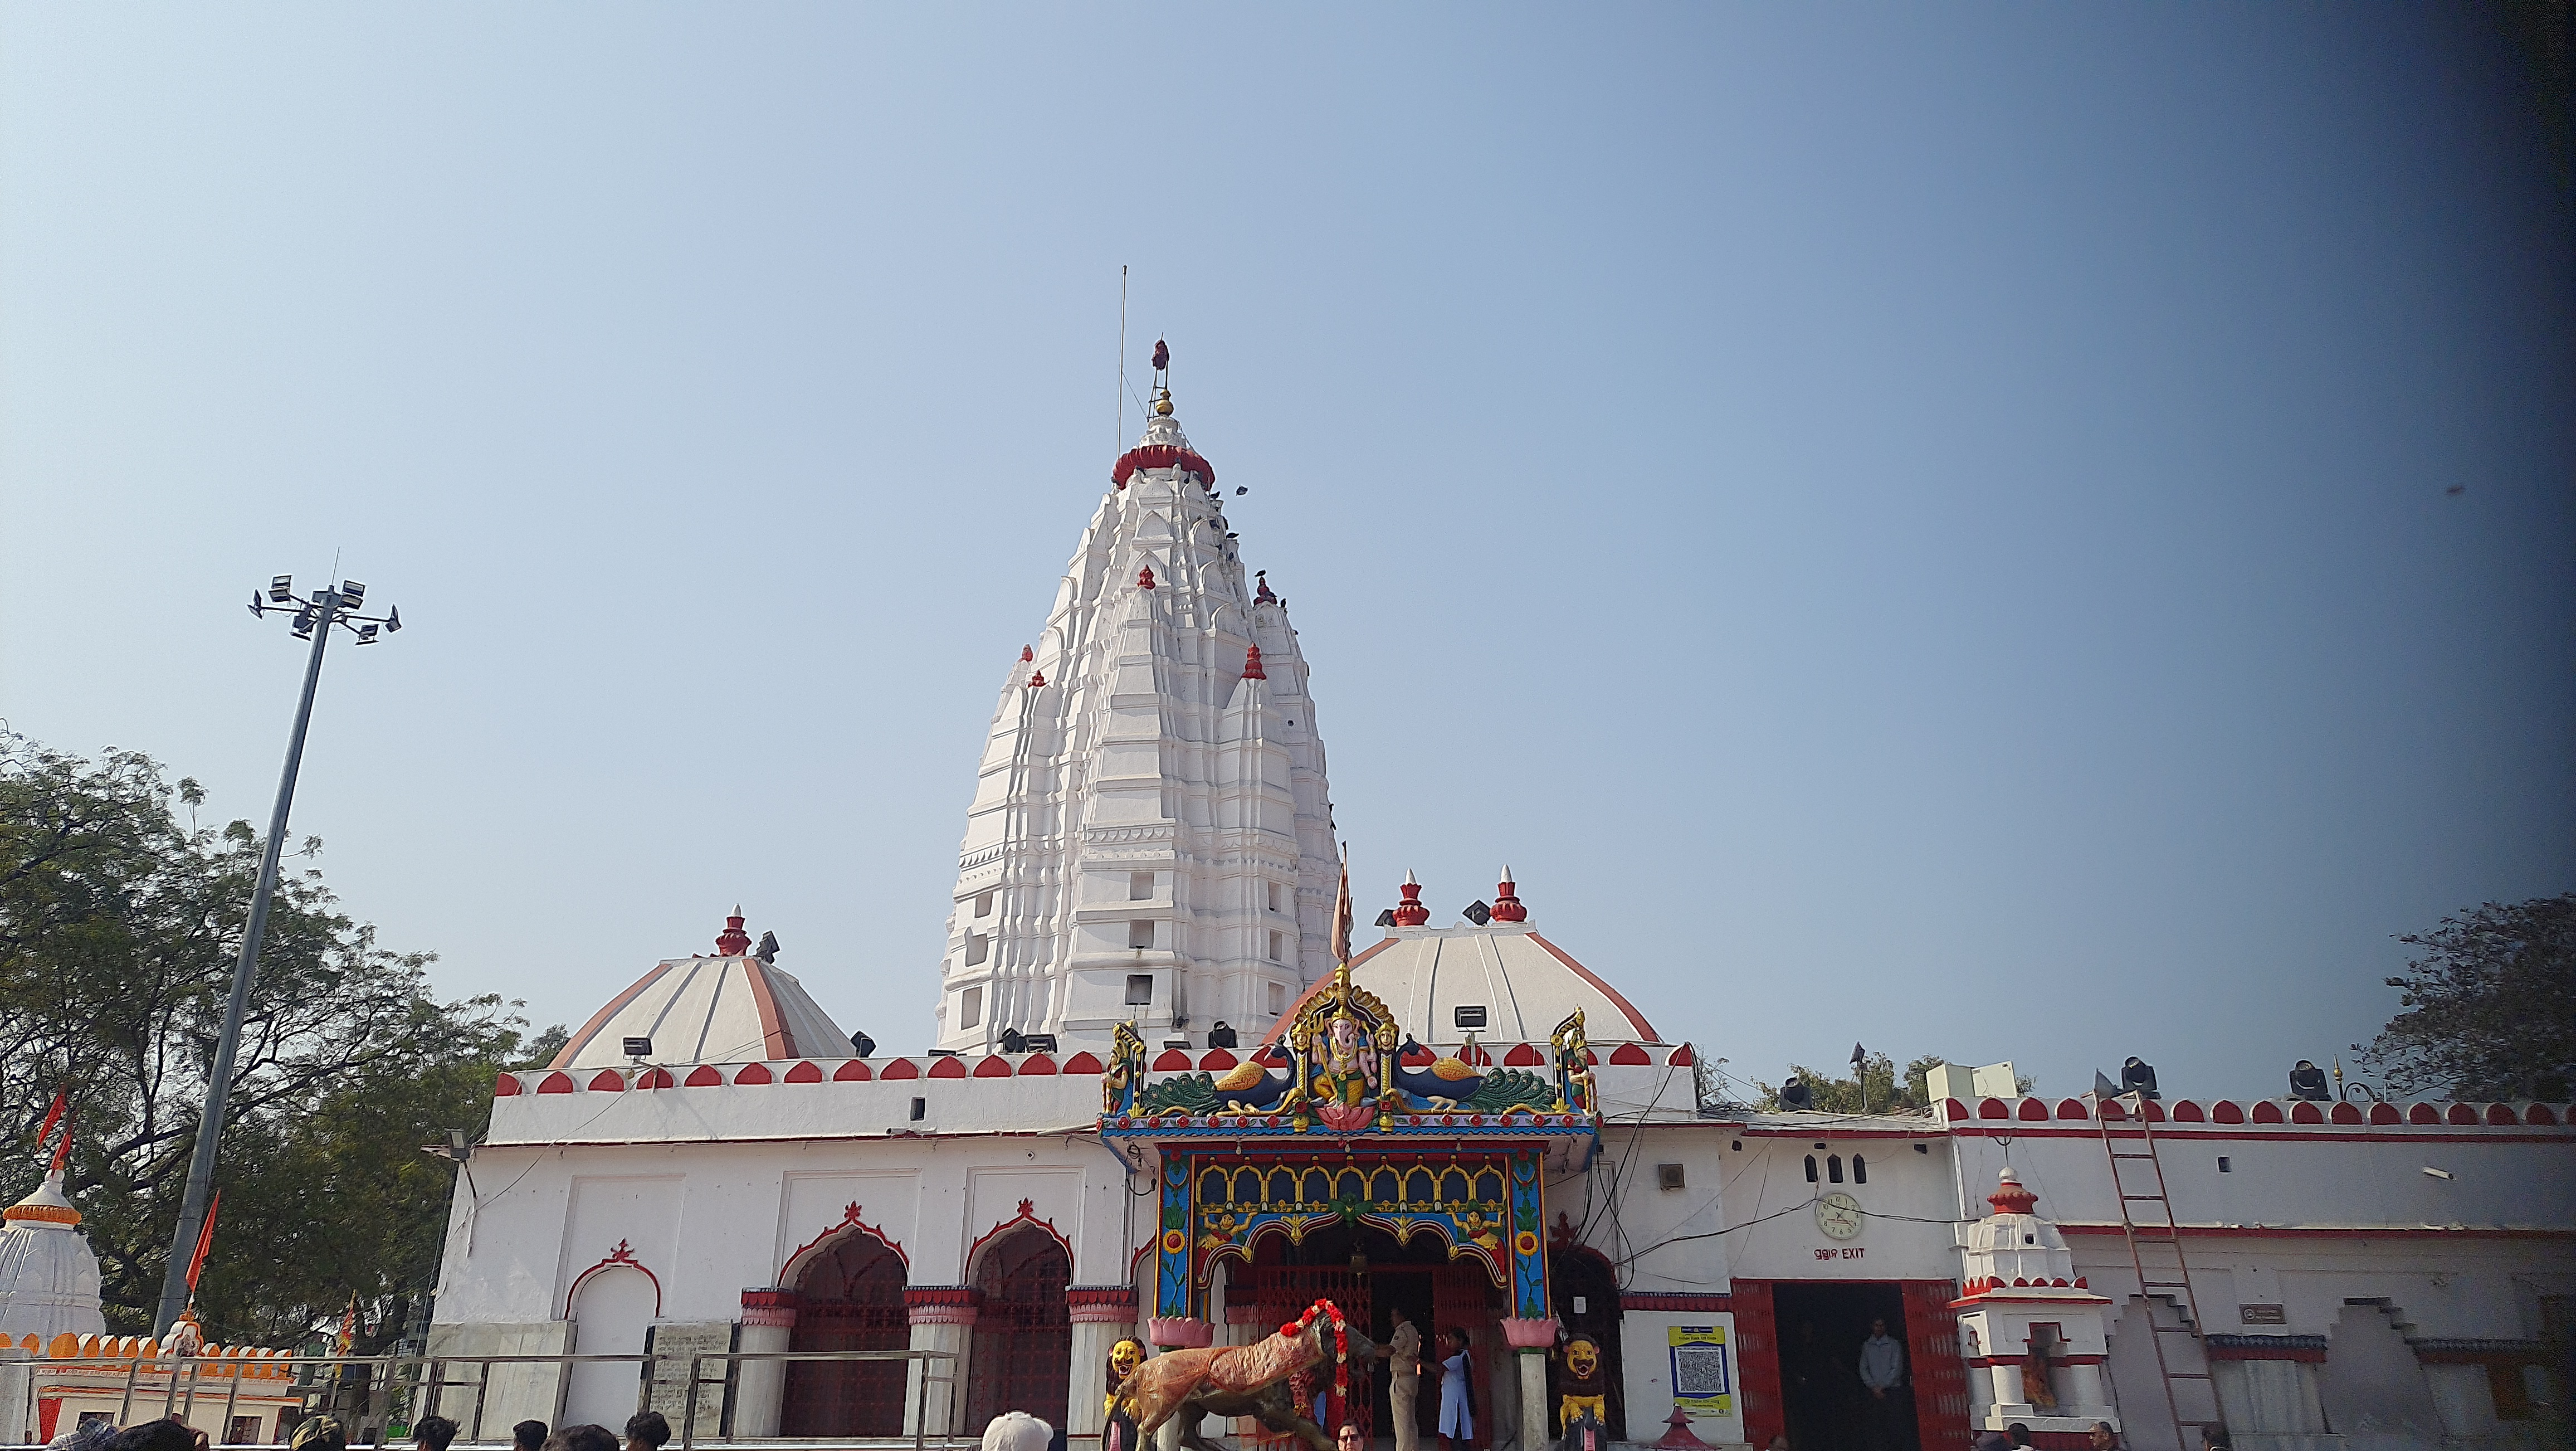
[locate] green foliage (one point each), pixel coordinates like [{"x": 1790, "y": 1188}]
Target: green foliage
[
  {"x": 1878, "y": 1084},
  {"x": 119, "y": 927},
  {"x": 2488, "y": 1005}
]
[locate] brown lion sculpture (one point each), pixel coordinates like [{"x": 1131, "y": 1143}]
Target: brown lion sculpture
[{"x": 1238, "y": 1380}]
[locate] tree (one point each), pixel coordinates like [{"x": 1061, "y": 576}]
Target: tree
[
  {"x": 2488, "y": 1005},
  {"x": 1878, "y": 1076},
  {"x": 119, "y": 928}
]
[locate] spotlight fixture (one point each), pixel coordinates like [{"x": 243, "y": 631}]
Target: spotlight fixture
[
  {"x": 1478, "y": 913},
  {"x": 639, "y": 1047},
  {"x": 2139, "y": 1077},
  {"x": 282, "y": 588},
  {"x": 863, "y": 1045},
  {"x": 1039, "y": 1042},
  {"x": 255, "y": 606},
  {"x": 1240, "y": 490}
]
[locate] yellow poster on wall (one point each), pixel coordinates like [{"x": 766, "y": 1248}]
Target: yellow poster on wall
[{"x": 1701, "y": 1382}]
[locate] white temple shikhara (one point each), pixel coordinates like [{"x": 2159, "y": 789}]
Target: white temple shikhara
[{"x": 1151, "y": 840}]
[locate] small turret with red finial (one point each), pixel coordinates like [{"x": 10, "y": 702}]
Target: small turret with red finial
[
  {"x": 733, "y": 941},
  {"x": 1410, "y": 912}
]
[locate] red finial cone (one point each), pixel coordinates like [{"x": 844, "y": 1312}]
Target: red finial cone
[
  {"x": 1410, "y": 912},
  {"x": 733, "y": 941},
  {"x": 1679, "y": 1438},
  {"x": 1145, "y": 577},
  {"x": 1252, "y": 665},
  {"x": 2009, "y": 1197},
  {"x": 1507, "y": 907},
  {"x": 1037, "y": 680},
  {"x": 1027, "y": 654}
]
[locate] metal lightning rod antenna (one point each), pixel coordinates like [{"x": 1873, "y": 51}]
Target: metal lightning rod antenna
[{"x": 1118, "y": 440}]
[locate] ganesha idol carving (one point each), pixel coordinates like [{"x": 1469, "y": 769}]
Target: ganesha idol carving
[{"x": 1340, "y": 1066}]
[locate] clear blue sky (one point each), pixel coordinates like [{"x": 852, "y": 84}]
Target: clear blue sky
[{"x": 1921, "y": 524}]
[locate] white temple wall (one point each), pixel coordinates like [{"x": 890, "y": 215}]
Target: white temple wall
[
  {"x": 1908, "y": 1198},
  {"x": 2276, "y": 1175}
]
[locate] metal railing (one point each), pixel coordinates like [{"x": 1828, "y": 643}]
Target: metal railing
[{"x": 408, "y": 1387}]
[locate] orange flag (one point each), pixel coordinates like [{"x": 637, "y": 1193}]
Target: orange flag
[
  {"x": 1342, "y": 913},
  {"x": 53, "y": 1116},
  {"x": 205, "y": 1243}
]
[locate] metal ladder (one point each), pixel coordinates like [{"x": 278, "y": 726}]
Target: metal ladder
[{"x": 2153, "y": 1239}]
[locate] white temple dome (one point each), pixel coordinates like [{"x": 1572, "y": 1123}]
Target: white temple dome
[
  {"x": 728, "y": 1008},
  {"x": 1525, "y": 984},
  {"x": 48, "y": 1273}
]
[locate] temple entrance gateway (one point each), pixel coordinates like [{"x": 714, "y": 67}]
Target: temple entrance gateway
[
  {"x": 850, "y": 1298},
  {"x": 1369, "y": 1275}
]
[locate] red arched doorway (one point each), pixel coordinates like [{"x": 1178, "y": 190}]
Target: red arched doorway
[
  {"x": 850, "y": 1298},
  {"x": 1022, "y": 1358}
]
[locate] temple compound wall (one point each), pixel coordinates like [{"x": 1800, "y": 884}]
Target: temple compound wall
[{"x": 2339, "y": 1295}]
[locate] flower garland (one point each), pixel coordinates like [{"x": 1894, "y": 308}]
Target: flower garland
[{"x": 1341, "y": 1350}]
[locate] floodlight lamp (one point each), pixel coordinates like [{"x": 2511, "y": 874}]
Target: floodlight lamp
[
  {"x": 282, "y": 588},
  {"x": 304, "y": 623},
  {"x": 255, "y": 609},
  {"x": 352, "y": 593},
  {"x": 639, "y": 1047},
  {"x": 393, "y": 620},
  {"x": 1478, "y": 913},
  {"x": 366, "y": 634}
]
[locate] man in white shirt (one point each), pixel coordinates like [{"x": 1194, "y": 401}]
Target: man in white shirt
[{"x": 1882, "y": 1371}]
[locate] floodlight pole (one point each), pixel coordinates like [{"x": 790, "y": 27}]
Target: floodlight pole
[{"x": 219, "y": 1078}]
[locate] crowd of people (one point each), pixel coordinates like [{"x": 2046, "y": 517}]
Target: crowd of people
[{"x": 646, "y": 1431}]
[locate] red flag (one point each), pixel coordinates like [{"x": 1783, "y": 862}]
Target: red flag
[
  {"x": 348, "y": 1336},
  {"x": 63, "y": 1150},
  {"x": 53, "y": 1116},
  {"x": 205, "y": 1243}
]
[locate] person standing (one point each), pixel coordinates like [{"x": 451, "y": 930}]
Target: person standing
[
  {"x": 1457, "y": 1406},
  {"x": 1882, "y": 1370},
  {"x": 1404, "y": 1381}
]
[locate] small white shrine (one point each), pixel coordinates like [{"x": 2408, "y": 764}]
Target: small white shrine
[{"x": 2030, "y": 1327}]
